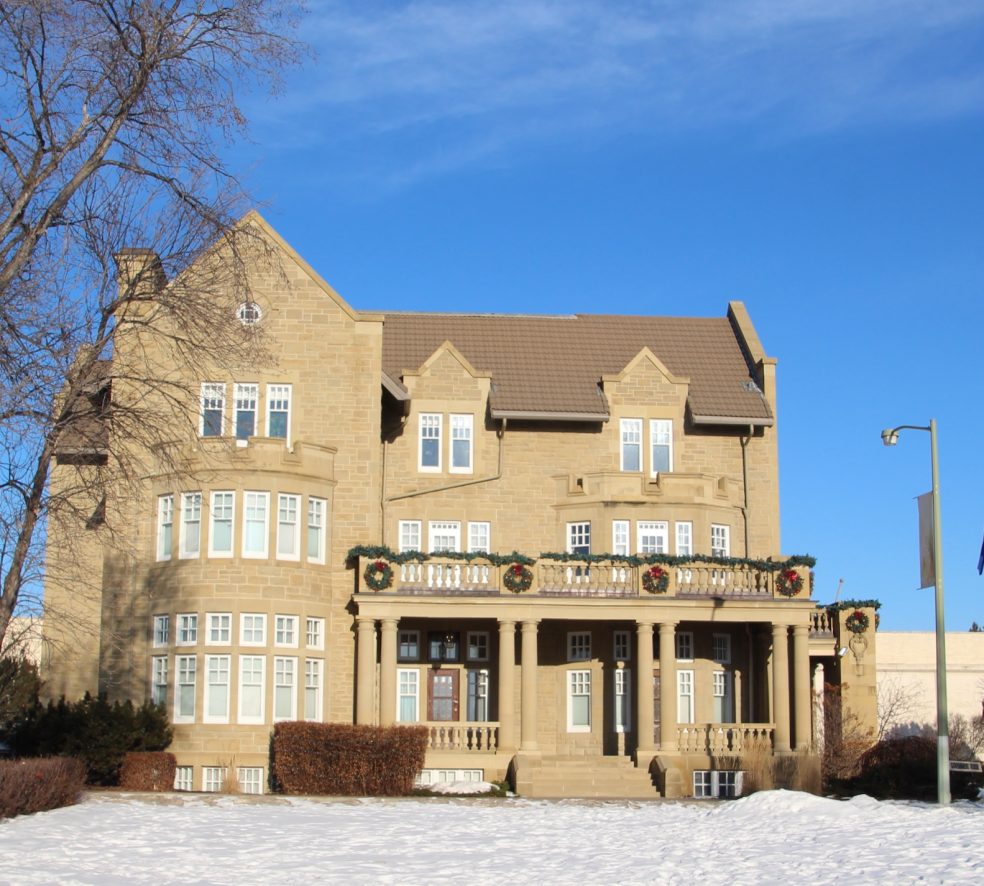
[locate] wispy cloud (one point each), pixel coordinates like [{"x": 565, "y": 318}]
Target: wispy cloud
[{"x": 445, "y": 83}]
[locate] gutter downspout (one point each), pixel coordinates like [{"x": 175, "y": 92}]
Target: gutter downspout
[{"x": 744, "y": 482}]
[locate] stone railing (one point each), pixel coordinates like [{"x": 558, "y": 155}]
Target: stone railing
[
  {"x": 569, "y": 579},
  {"x": 822, "y": 623},
  {"x": 719, "y": 739},
  {"x": 467, "y": 737},
  {"x": 437, "y": 576}
]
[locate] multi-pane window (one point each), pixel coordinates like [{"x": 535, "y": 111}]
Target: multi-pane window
[
  {"x": 430, "y": 442},
  {"x": 685, "y": 696},
  {"x": 579, "y": 646},
  {"x": 158, "y": 679},
  {"x": 213, "y": 778},
  {"x": 221, "y": 514},
  {"x": 722, "y": 784},
  {"x": 186, "y": 670},
  {"x": 579, "y": 701},
  {"x": 216, "y": 689},
  {"x": 445, "y": 536},
  {"x": 312, "y": 689},
  {"x": 315, "y": 633},
  {"x": 620, "y": 538},
  {"x": 409, "y": 646},
  {"x": 285, "y": 630},
  {"x": 461, "y": 444},
  {"x": 621, "y": 645},
  {"x": 661, "y": 443},
  {"x": 477, "y": 646},
  {"x": 631, "y": 444},
  {"x": 213, "y": 409},
  {"x": 408, "y": 693},
  {"x": 702, "y": 783},
  {"x": 184, "y": 778},
  {"x": 721, "y": 648},
  {"x": 579, "y": 538},
  {"x": 219, "y": 628},
  {"x": 253, "y": 629},
  {"x": 187, "y": 633},
  {"x": 246, "y": 396},
  {"x": 684, "y": 646},
  {"x": 278, "y": 411},
  {"x": 250, "y": 779},
  {"x": 721, "y": 693},
  {"x": 409, "y": 536},
  {"x": 284, "y": 688},
  {"x": 478, "y": 696},
  {"x": 165, "y": 526},
  {"x": 654, "y": 537},
  {"x": 720, "y": 540},
  {"x": 478, "y": 538},
  {"x": 191, "y": 524},
  {"x": 251, "y": 673},
  {"x": 288, "y": 538},
  {"x": 684, "y": 539},
  {"x": 442, "y": 646},
  {"x": 256, "y": 509},
  {"x": 623, "y": 700},
  {"x": 317, "y": 508},
  {"x": 162, "y": 630}
]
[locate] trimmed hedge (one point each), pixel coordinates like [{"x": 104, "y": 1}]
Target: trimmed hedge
[
  {"x": 28, "y": 786},
  {"x": 147, "y": 771},
  {"x": 344, "y": 760}
]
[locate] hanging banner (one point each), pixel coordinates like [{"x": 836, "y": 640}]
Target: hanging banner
[{"x": 927, "y": 554}]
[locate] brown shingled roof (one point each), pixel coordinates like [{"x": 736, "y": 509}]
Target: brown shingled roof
[{"x": 554, "y": 364}]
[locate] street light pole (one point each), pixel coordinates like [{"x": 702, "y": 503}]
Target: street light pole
[{"x": 890, "y": 438}]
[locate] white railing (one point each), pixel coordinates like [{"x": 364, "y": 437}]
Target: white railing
[
  {"x": 822, "y": 623},
  {"x": 583, "y": 580},
  {"x": 725, "y": 738},
  {"x": 451, "y": 575},
  {"x": 473, "y": 737},
  {"x": 712, "y": 581}
]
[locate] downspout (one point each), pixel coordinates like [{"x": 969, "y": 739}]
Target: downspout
[
  {"x": 744, "y": 483},
  {"x": 382, "y": 489}
]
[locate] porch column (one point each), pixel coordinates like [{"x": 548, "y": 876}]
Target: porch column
[
  {"x": 387, "y": 672},
  {"x": 738, "y": 698},
  {"x": 528, "y": 740},
  {"x": 801, "y": 688},
  {"x": 668, "y": 740},
  {"x": 507, "y": 683},
  {"x": 365, "y": 676},
  {"x": 644, "y": 687},
  {"x": 780, "y": 685}
]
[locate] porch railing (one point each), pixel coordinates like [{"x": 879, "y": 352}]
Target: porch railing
[
  {"x": 719, "y": 739},
  {"x": 437, "y": 575},
  {"x": 559, "y": 578},
  {"x": 822, "y": 623},
  {"x": 468, "y": 737}
]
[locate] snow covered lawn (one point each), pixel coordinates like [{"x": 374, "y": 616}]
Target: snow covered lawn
[{"x": 779, "y": 836}]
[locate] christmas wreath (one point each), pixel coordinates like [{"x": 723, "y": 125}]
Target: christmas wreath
[
  {"x": 517, "y": 578},
  {"x": 789, "y": 582},
  {"x": 857, "y": 622},
  {"x": 656, "y": 580},
  {"x": 378, "y": 575}
]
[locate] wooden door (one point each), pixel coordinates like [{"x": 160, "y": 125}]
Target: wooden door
[{"x": 442, "y": 695}]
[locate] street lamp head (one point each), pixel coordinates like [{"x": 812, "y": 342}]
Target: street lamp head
[{"x": 890, "y": 436}]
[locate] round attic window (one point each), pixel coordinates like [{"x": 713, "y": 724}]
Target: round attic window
[{"x": 249, "y": 313}]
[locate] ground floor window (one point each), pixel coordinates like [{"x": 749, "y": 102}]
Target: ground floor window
[
  {"x": 250, "y": 779},
  {"x": 685, "y": 696},
  {"x": 184, "y": 778},
  {"x": 623, "y": 699},
  {"x": 717, "y": 784},
  {"x": 478, "y": 696},
  {"x": 428, "y": 777},
  {"x": 312, "y": 689},
  {"x": 213, "y": 777},
  {"x": 408, "y": 695},
  {"x": 579, "y": 701}
]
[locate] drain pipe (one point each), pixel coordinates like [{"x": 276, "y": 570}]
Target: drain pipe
[{"x": 744, "y": 483}]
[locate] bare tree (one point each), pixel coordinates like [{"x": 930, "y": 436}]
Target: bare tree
[
  {"x": 114, "y": 116},
  {"x": 897, "y": 704}
]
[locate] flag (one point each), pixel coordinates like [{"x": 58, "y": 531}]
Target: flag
[
  {"x": 980, "y": 560},
  {"x": 927, "y": 554}
]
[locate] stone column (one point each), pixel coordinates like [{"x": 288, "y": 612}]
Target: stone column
[
  {"x": 365, "y": 670},
  {"x": 669, "y": 741},
  {"x": 507, "y": 683},
  {"x": 528, "y": 741},
  {"x": 780, "y": 685},
  {"x": 387, "y": 672},
  {"x": 738, "y": 699},
  {"x": 644, "y": 687},
  {"x": 801, "y": 688}
]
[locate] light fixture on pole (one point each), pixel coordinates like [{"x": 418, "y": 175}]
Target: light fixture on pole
[{"x": 890, "y": 437}]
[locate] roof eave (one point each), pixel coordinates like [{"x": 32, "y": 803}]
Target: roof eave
[
  {"x": 758, "y": 421},
  {"x": 527, "y": 415}
]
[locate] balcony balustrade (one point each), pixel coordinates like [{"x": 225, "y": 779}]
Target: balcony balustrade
[
  {"x": 719, "y": 739},
  {"x": 466, "y": 737}
]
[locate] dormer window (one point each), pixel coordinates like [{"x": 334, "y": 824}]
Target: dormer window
[{"x": 249, "y": 313}]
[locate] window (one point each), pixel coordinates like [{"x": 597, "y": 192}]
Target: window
[
  {"x": 409, "y": 536},
  {"x": 478, "y": 646},
  {"x": 187, "y": 629},
  {"x": 579, "y": 646},
  {"x": 250, "y": 779},
  {"x": 461, "y": 444},
  {"x": 252, "y": 670},
  {"x": 620, "y": 538},
  {"x": 721, "y": 692},
  {"x": 622, "y": 647},
  {"x": 255, "y": 531},
  {"x": 721, "y": 648},
  {"x": 409, "y": 646},
  {"x": 579, "y": 701},
  {"x": 661, "y": 441},
  {"x": 316, "y": 633},
  {"x": 684, "y": 646},
  {"x": 285, "y": 630},
  {"x": 165, "y": 526},
  {"x": 654, "y": 537},
  {"x": 284, "y": 688},
  {"x": 220, "y": 529},
  {"x": 478, "y": 696},
  {"x": 408, "y": 686},
  {"x": 578, "y": 538},
  {"x": 684, "y": 539},
  {"x": 184, "y": 778},
  {"x": 445, "y": 537},
  {"x": 442, "y": 645},
  {"x": 623, "y": 700},
  {"x": 278, "y": 411},
  {"x": 631, "y": 444},
  {"x": 253, "y": 629},
  {"x": 219, "y": 628},
  {"x": 216, "y": 689},
  {"x": 288, "y": 538},
  {"x": 162, "y": 630},
  {"x": 249, "y": 313},
  {"x": 317, "y": 508},
  {"x": 720, "y": 540},
  {"x": 430, "y": 442},
  {"x": 191, "y": 524},
  {"x": 721, "y": 784},
  {"x": 246, "y": 396},
  {"x": 158, "y": 680},
  {"x": 312, "y": 689},
  {"x": 478, "y": 538},
  {"x": 685, "y": 696},
  {"x": 213, "y": 778},
  {"x": 186, "y": 667},
  {"x": 212, "y": 409}
]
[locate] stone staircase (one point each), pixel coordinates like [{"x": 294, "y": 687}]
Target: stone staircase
[{"x": 608, "y": 778}]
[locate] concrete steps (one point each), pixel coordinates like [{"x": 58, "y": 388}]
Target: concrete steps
[{"x": 609, "y": 778}]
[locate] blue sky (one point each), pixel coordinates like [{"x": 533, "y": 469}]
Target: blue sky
[{"x": 820, "y": 160}]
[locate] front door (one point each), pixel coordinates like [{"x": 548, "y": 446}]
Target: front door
[{"x": 442, "y": 695}]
